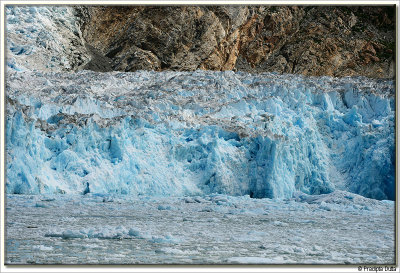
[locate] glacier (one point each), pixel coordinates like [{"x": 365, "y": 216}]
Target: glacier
[
  {"x": 198, "y": 133},
  {"x": 184, "y": 133},
  {"x": 43, "y": 38},
  {"x": 188, "y": 167}
]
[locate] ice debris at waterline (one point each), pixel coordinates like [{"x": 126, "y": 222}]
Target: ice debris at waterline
[
  {"x": 335, "y": 228},
  {"x": 197, "y": 133}
]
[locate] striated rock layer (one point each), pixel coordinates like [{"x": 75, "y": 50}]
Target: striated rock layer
[{"x": 308, "y": 40}]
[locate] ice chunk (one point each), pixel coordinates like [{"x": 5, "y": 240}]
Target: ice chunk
[
  {"x": 69, "y": 234},
  {"x": 43, "y": 248},
  {"x": 163, "y": 207}
]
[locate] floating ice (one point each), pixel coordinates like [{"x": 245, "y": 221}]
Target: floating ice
[
  {"x": 43, "y": 248},
  {"x": 258, "y": 260},
  {"x": 134, "y": 228},
  {"x": 91, "y": 233}
]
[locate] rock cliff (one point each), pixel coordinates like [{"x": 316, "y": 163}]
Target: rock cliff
[{"x": 310, "y": 40}]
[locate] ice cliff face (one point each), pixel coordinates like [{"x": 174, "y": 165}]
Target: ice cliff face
[
  {"x": 179, "y": 133},
  {"x": 184, "y": 133}
]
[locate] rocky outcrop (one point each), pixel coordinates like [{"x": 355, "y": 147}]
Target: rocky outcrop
[{"x": 319, "y": 40}]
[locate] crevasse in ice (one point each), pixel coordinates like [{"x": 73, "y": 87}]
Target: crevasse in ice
[{"x": 202, "y": 132}]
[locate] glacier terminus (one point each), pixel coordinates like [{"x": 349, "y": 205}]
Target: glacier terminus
[
  {"x": 193, "y": 133},
  {"x": 189, "y": 167}
]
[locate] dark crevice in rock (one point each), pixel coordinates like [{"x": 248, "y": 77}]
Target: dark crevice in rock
[{"x": 98, "y": 62}]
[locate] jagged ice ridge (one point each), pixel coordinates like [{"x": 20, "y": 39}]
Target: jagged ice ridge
[{"x": 193, "y": 133}]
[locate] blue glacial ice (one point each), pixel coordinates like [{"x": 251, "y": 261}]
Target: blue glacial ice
[{"x": 198, "y": 133}]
